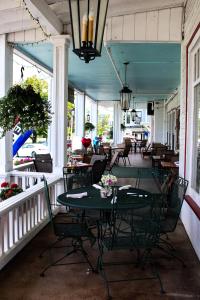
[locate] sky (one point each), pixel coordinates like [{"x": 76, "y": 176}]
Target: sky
[{"x": 29, "y": 70}]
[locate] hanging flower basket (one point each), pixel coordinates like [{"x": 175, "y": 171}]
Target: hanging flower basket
[
  {"x": 26, "y": 106},
  {"x": 89, "y": 126}
]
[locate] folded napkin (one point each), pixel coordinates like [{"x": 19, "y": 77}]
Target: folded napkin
[
  {"x": 125, "y": 187},
  {"x": 79, "y": 195},
  {"x": 96, "y": 186},
  {"x": 137, "y": 195}
]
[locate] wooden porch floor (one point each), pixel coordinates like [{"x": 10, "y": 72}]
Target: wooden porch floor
[{"x": 20, "y": 279}]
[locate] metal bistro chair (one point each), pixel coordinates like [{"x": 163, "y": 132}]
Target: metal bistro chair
[
  {"x": 112, "y": 162},
  {"x": 43, "y": 163},
  {"x": 171, "y": 215},
  {"x": 76, "y": 231},
  {"x": 124, "y": 154},
  {"x": 74, "y": 178},
  {"x": 130, "y": 229},
  {"x": 98, "y": 169}
]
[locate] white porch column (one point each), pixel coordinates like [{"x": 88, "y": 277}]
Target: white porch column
[
  {"x": 58, "y": 139},
  {"x": 50, "y": 95},
  {"x": 6, "y": 80},
  {"x": 159, "y": 124},
  {"x": 117, "y": 135},
  {"x": 79, "y": 114},
  {"x": 94, "y": 117}
]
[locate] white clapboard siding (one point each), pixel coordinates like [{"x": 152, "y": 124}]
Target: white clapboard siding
[{"x": 156, "y": 25}]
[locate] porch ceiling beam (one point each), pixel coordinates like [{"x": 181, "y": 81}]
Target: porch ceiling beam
[
  {"x": 16, "y": 26},
  {"x": 9, "y": 4},
  {"x": 41, "y": 10}
]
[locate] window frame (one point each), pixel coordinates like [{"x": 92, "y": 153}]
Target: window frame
[{"x": 195, "y": 59}]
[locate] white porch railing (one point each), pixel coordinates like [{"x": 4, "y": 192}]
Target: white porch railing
[
  {"x": 24, "y": 215},
  {"x": 25, "y": 167}
]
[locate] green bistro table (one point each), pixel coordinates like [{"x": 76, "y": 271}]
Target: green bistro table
[{"x": 126, "y": 199}]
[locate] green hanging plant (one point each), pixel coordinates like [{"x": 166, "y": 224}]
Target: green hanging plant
[
  {"x": 25, "y": 105},
  {"x": 89, "y": 126}
]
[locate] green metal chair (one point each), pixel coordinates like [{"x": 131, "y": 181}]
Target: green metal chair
[
  {"x": 76, "y": 231},
  {"x": 171, "y": 215},
  {"x": 131, "y": 229}
]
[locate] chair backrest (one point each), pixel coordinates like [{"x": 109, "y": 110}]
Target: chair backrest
[
  {"x": 43, "y": 163},
  {"x": 96, "y": 157},
  {"x": 135, "y": 227},
  {"x": 66, "y": 174},
  {"x": 143, "y": 143},
  {"x": 48, "y": 202},
  {"x": 113, "y": 160},
  {"x": 98, "y": 169},
  {"x": 126, "y": 151},
  {"x": 127, "y": 142},
  {"x": 175, "y": 201}
]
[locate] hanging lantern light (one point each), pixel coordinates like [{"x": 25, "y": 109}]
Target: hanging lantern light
[
  {"x": 125, "y": 93},
  {"x": 88, "y": 19},
  {"x": 133, "y": 112},
  {"x": 88, "y": 117}
]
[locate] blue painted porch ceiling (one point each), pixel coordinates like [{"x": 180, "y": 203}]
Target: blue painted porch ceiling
[{"x": 153, "y": 72}]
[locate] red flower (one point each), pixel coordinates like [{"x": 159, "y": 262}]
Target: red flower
[
  {"x": 14, "y": 186},
  {"x": 8, "y": 194},
  {"x": 4, "y": 184}
]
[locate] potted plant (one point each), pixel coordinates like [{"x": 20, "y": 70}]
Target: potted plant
[
  {"x": 24, "y": 105},
  {"x": 8, "y": 190},
  {"x": 89, "y": 126}
]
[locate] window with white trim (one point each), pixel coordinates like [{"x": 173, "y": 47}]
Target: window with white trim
[{"x": 196, "y": 168}]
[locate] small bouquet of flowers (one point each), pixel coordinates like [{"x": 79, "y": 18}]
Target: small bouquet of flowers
[
  {"x": 8, "y": 190},
  {"x": 107, "y": 181}
]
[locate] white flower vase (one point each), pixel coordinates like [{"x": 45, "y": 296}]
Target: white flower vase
[{"x": 106, "y": 192}]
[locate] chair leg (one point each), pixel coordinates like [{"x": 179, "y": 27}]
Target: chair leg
[
  {"x": 52, "y": 246},
  {"x": 147, "y": 257},
  {"x": 77, "y": 246},
  {"x": 101, "y": 270},
  {"x": 172, "y": 255}
]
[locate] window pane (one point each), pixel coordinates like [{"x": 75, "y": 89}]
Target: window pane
[{"x": 197, "y": 137}]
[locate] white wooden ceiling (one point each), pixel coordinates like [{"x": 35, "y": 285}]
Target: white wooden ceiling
[
  {"x": 15, "y": 18},
  {"x": 53, "y": 16}
]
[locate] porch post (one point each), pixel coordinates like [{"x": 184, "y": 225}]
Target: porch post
[
  {"x": 117, "y": 136},
  {"x": 6, "y": 81},
  {"x": 94, "y": 119},
  {"x": 159, "y": 123},
  {"x": 79, "y": 114},
  {"x": 58, "y": 139}
]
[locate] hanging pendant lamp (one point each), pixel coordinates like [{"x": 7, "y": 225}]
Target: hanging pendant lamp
[
  {"x": 88, "y": 19},
  {"x": 125, "y": 93}
]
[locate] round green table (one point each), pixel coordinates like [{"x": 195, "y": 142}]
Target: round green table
[{"x": 129, "y": 198}]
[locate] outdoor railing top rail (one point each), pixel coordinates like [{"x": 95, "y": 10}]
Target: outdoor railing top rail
[
  {"x": 24, "y": 166},
  {"x": 13, "y": 201}
]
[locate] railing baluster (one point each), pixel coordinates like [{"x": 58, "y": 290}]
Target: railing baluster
[
  {"x": 1, "y": 236},
  {"x": 23, "y": 215}
]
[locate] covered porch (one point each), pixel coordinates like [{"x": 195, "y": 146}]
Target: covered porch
[
  {"x": 159, "y": 45},
  {"x": 75, "y": 282}
]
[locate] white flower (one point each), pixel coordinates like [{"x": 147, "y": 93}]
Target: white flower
[{"x": 108, "y": 180}]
